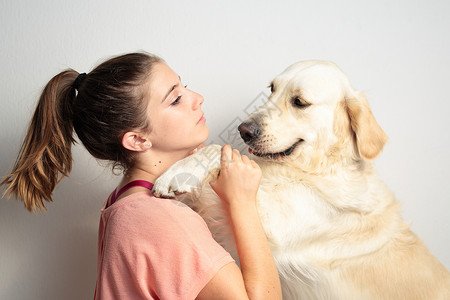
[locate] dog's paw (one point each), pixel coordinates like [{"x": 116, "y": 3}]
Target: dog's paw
[
  {"x": 167, "y": 187},
  {"x": 188, "y": 174},
  {"x": 161, "y": 189}
]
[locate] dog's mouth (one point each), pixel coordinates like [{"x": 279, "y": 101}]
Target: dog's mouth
[{"x": 284, "y": 153}]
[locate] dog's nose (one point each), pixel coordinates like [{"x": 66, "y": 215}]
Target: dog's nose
[{"x": 249, "y": 131}]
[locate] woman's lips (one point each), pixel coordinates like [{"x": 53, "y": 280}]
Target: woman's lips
[{"x": 202, "y": 120}]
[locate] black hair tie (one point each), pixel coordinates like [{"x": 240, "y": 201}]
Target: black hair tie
[{"x": 76, "y": 84}]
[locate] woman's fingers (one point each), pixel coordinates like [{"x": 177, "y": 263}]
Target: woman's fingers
[
  {"x": 230, "y": 155},
  {"x": 226, "y": 156},
  {"x": 245, "y": 159},
  {"x": 254, "y": 164},
  {"x": 236, "y": 155}
]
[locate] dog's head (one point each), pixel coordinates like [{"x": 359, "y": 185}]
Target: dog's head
[{"x": 313, "y": 119}]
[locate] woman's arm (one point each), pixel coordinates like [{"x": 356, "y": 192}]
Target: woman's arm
[{"x": 237, "y": 186}]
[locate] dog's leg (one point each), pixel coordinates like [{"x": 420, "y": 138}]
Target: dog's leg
[{"x": 189, "y": 173}]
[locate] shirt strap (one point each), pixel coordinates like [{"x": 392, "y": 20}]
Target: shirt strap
[{"x": 129, "y": 185}]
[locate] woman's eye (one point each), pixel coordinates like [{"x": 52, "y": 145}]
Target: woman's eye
[{"x": 176, "y": 101}]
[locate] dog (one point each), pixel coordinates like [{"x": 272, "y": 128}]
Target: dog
[{"x": 334, "y": 228}]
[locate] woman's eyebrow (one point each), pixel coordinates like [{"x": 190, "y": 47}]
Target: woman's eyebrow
[{"x": 170, "y": 91}]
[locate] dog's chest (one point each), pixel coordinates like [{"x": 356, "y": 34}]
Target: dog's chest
[{"x": 290, "y": 210}]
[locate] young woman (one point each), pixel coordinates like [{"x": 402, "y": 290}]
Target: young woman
[{"x": 133, "y": 111}]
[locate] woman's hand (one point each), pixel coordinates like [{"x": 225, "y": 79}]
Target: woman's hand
[{"x": 238, "y": 179}]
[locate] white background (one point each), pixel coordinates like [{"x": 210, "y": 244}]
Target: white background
[{"x": 395, "y": 51}]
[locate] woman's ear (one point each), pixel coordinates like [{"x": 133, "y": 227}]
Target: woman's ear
[{"x": 135, "y": 142}]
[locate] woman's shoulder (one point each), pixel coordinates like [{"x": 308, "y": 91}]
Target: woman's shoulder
[
  {"x": 144, "y": 209},
  {"x": 146, "y": 203}
]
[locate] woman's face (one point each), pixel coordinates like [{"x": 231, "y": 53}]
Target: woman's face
[{"x": 175, "y": 114}]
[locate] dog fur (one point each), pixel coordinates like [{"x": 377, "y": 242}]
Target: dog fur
[{"x": 334, "y": 228}]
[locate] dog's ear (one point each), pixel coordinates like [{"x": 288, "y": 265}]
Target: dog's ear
[{"x": 370, "y": 138}]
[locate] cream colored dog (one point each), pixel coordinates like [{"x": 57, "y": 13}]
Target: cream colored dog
[{"x": 334, "y": 228}]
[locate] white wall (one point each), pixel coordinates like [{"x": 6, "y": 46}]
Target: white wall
[{"x": 396, "y": 51}]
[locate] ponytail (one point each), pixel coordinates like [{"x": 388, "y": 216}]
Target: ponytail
[
  {"x": 45, "y": 156},
  {"x": 99, "y": 107}
]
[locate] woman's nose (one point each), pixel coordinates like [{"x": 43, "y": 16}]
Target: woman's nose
[{"x": 198, "y": 101}]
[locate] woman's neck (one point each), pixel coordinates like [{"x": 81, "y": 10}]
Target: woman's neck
[{"x": 150, "y": 165}]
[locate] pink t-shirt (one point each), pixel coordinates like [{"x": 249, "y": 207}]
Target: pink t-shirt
[{"x": 154, "y": 248}]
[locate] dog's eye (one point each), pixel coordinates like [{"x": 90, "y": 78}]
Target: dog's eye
[
  {"x": 271, "y": 87},
  {"x": 298, "y": 102}
]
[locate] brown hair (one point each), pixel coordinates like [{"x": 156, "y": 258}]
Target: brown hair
[{"x": 107, "y": 103}]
